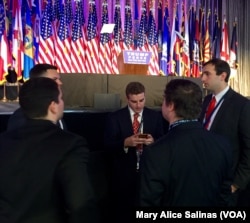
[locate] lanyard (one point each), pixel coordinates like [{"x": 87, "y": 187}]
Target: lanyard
[{"x": 180, "y": 122}]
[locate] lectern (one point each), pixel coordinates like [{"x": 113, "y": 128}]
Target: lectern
[{"x": 133, "y": 62}]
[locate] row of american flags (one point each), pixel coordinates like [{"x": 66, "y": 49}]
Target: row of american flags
[{"x": 181, "y": 35}]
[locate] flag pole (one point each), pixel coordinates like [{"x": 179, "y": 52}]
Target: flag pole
[{"x": 4, "y": 99}]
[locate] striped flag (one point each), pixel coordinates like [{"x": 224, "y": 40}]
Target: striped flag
[
  {"x": 5, "y": 59},
  {"x": 56, "y": 11},
  {"x": 136, "y": 23},
  {"x": 142, "y": 38},
  {"x": 224, "y": 53},
  {"x": 185, "y": 49},
  {"x": 92, "y": 53},
  {"x": 128, "y": 38},
  {"x": 233, "y": 52},
  {"x": 69, "y": 11},
  {"x": 153, "y": 45},
  {"x": 46, "y": 44},
  {"x": 196, "y": 51},
  {"x": 17, "y": 50},
  {"x": 77, "y": 43},
  {"x": 159, "y": 32},
  {"x": 207, "y": 45},
  {"x": 105, "y": 64},
  {"x": 117, "y": 43},
  {"x": 28, "y": 46},
  {"x": 63, "y": 44},
  {"x": 175, "y": 63},
  {"x": 165, "y": 43}
]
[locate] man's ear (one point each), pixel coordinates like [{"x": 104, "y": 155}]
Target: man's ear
[
  {"x": 52, "y": 107},
  {"x": 170, "y": 106},
  {"x": 223, "y": 76}
]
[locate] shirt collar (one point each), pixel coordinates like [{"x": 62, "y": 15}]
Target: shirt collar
[
  {"x": 132, "y": 112},
  {"x": 221, "y": 94}
]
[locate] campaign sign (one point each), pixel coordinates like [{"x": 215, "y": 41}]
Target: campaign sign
[{"x": 136, "y": 57}]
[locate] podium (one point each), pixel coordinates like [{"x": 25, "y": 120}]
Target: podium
[{"x": 131, "y": 68}]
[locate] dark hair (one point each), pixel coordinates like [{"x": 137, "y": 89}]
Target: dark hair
[
  {"x": 134, "y": 88},
  {"x": 220, "y": 66},
  {"x": 186, "y": 97},
  {"x": 35, "y": 96},
  {"x": 40, "y": 69}
]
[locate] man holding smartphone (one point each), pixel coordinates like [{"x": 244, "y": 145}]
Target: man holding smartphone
[{"x": 127, "y": 132}]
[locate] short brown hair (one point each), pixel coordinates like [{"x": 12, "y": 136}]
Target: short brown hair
[{"x": 135, "y": 88}]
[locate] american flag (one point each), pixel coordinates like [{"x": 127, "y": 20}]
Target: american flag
[
  {"x": 142, "y": 38},
  {"x": 81, "y": 6},
  {"x": 69, "y": 14},
  {"x": 46, "y": 44},
  {"x": 77, "y": 43},
  {"x": 56, "y": 13},
  {"x": 136, "y": 23},
  {"x": 56, "y": 10},
  {"x": 105, "y": 63},
  {"x": 117, "y": 42},
  {"x": 128, "y": 38},
  {"x": 153, "y": 45},
  {"x": 92, "y": 53},
  {"x": 63, "y": 49}
]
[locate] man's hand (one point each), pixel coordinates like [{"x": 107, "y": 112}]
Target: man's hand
[
  {"x": 234, "y": 188},
  {"x": 134, "y": 140}
]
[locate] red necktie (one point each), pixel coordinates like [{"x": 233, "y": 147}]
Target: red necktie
[
  {"x": 136, "y": 126},
  {"x": 210, "y": 109},
  {"x": 136, "y": 123}
]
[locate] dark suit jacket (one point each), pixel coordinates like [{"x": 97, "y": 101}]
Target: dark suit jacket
[
  {"x": 190, "y": 166},
  {"x": 43, "y": 175},
  {"x": 124, "y": 174},
  {"x": 233, "y": 121},
  {"x": 17, "y": 119}
]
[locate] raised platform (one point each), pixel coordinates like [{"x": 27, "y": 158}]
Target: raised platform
[
  {"x": 7, "y": 108},
  {"x": 80, "y": 90}
]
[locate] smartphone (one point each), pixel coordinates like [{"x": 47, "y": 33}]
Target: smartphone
[{"x": 143, "y": 136}]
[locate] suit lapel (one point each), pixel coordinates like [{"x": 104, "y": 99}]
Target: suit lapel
[
  {"x": 204, "y": 107},
  {"x": 127, "y": 122},
  {"x": 223, "y": 108},
  {"x": 146, "y": 126}
]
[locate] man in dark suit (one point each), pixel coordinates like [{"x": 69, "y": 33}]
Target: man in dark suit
[
  {"x": 189, "y": 166},
  {"x": 230, "y": 118},
  {"x": 126, "y": 145},
  {"x": 43, "y": 169},
  {"x": 39, "y": 70}
]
